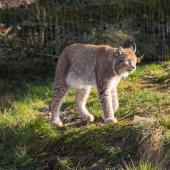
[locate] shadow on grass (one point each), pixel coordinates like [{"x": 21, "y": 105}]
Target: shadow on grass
[
  {"x": 37, "y": 145},
  {"x": 13, "y": 87}
]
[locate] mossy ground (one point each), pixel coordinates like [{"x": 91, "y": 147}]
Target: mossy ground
[{"x": 28, "y": 141}]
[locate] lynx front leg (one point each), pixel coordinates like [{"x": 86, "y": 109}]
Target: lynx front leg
[
  {"x": 60, "y": 90},
  {"x": 105, "y": 96},
  {"x": 80, "y": 105},
  {"x": 115, "y": 100}
]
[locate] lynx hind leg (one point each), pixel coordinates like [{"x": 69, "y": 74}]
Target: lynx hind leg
[
  {"x": 80, "y": 105},
  {"x": 59, "y": 92}
]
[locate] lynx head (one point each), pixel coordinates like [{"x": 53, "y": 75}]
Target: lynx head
[{"x": 126, "y": 60}]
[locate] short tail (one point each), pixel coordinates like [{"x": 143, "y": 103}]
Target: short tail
[{"x": 62, "y": 66}]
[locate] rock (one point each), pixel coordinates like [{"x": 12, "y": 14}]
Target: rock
[{"x": 142, "y": 119}]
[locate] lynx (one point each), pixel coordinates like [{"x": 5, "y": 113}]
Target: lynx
[{"x": 82, "y": 66}]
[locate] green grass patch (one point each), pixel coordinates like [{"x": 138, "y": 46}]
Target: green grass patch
[
  {"x": 28, "y": 141},
  {"x": 142, "y": 166}
]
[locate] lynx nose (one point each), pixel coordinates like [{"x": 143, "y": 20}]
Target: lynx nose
[{"x": 133, "y": 67}]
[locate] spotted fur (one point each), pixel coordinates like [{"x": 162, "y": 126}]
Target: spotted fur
[{"x": 82, "y": 66}]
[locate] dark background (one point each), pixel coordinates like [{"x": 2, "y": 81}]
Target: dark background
[{"x": 33, "y": 33}]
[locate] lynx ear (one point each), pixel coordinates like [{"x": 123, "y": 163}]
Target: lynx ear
[
  {"x": 120, "y": 50},
  {"x": 133, "y": 47},
  {"x": 139, "y": 59}
]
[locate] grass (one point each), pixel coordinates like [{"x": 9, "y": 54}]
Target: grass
[
  {"x": 28, "y": 141},
  {"x": 141, "y": 166}
]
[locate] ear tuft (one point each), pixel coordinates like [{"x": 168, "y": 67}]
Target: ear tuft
[{"x": 120, "y": 50}]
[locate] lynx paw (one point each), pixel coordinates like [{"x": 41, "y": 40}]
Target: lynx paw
[
  {"x": 56, "y": 123},
  {"x": 110, "y": 120},
  {"x": 87, "y": 117}
]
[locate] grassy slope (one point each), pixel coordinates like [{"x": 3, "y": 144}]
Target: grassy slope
[{"x": 27, "y": 140}]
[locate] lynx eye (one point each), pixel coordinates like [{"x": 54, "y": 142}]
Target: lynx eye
[
  {"x": 122, "y": 61},
  {"x": 129, "y": 60},
  {"x": 126, "y": 62}
]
